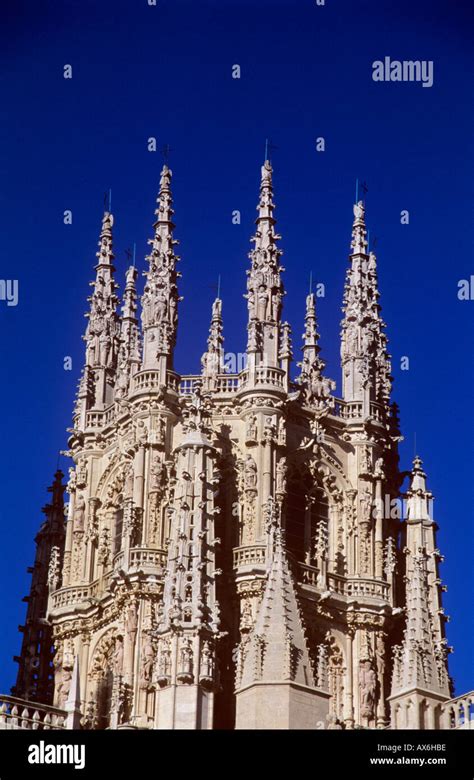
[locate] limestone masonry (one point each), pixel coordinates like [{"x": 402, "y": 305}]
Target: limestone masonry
[{"x": 227, "y": 559}]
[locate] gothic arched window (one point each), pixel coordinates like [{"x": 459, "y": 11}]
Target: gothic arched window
[{"x": 307, "y": 515}]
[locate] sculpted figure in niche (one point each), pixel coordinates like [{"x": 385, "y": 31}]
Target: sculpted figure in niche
[
  {"x": 118, "y": 655},
  {"x": 250, "y": 472},
  {"x": 157, "y": 472},
  {"x": 161, "y": 305},
  {"x": 252, "y": 428},
  {"x": 367, "y": 685},
  {"x": 148, "y": 659},
  {"x": 131, "y": 623},
  {"x": 281, "y": 470},
  {"x": 262, "y": 300},
  {"x": 186, "y": 657},
  {"x": 79, "y": 514},
  {"x": 365, "y": 505}
]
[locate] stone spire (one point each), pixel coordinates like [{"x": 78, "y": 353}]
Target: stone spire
[
  {"x": 103, "y": 332},
  {"x": 160, "y": 297},
  {"x": 212, "y": 361},
  {"x": 129, "y": 357},
  {"x": 34, "y": 680},
  {"x": 420, "y": 662},
  {"x": 365, "y": 361},
  {"x": 264, "y": 285},
  {"x": 316, "y": 388},
  {"x": 275, "y": 651}
]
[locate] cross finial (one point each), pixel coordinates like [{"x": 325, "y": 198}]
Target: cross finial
[
  {"x": 310, "y": 282},
  {"x": 219, "y": 286}
]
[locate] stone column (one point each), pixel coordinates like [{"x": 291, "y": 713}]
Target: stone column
[
  {"x": 348, "y": 696},
  {"x": 378, "y": 530}
]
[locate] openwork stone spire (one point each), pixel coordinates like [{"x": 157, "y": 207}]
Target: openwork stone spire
[
  {"x": 160, "y": 297},
  {"x": 212, "y": 361},
  {"x": 129, "y": 357},
  {"x": 421, "y": 659},
  {"x": 317, "y": 389},
  {"x": 365, "y": 361},
  {"x": 264, "y": 286},
  {"x": 103, "y": 331}
]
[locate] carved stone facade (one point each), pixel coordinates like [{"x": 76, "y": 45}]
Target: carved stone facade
[{"x": 228, "y": 560}]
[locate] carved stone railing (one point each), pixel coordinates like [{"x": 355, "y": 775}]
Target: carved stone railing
[
  {"x": 21, "y": 714},
  {"x": 262, "y": 376},
  {"x": 350, "y": 410},
  {"x": 65, "y": 597},
  {"x": 146, "y": 381},
  {"x": 358, "y": 587},
  {"x": 308, "y": 575},
  {"x": 350, "y": 587},
  {"x": 118, "y": 560},
  {"x": 222, "y": 384},
  {"x": 458, "y": 713},
  {"x": 145, "y": 558},
  {"x": 186, "y": 385},
  {"x": 174, "y": 380},
  {"x": 249, "y": 556},
  {"x": 354, "y": 410}
]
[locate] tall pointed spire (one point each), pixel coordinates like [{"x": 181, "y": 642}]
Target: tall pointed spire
[
  {"x": 365, "y": 361},
  {"x": 264, "y": 285},
  {"x": 420, "y": 662},
  {"x": 213, "y": 360},
  {"x": 35, "y": 678},
  {"x": 103, "y": 331},
  {"x": 160, "y": 297},
  {"x": 129, "y": 358},
  {"x": 317, "y": 389}
]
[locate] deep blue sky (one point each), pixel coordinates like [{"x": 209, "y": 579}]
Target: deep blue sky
[{"x": 165, "y": 71}]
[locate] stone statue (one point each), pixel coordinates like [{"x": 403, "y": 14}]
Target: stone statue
[
  {"x": 367, "y": 686},
  {"x": 366, "y": 505},
  {"x": 186, "y": 658},
  {"x": 252, "y": 428},
  {"x": 250, "y": 472},
  {"x": 131, "y": 623},
  {"x": 281, "y": 470},
  {"x": 148, "y": 660},
  {"x": 79, "y": 514},
  {"x": 118, "y": 655},
  {"x": 262, "y": 301}
]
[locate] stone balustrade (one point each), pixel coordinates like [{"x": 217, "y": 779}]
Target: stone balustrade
[
  {"x": 145, "y": 558},
  {"x": 355, "y": 587},
  {"x": 308, "y": 575},
  {"x": 458, "y": 713},
  {"x": 21, "y": 714},
  {"x": 140, "y": 558},
  {"x": 145, "y": 382},
  {"x": 249, "y": 556}
]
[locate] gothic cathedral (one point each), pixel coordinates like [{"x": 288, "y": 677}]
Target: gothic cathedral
[{"x": 228, "y": 556}]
